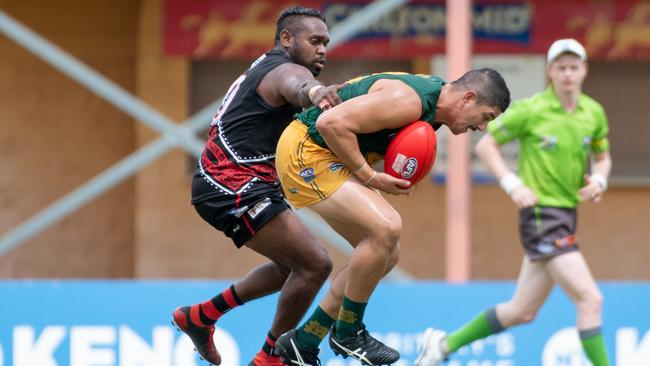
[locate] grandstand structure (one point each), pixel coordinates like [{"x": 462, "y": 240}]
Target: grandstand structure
[{"x": 104, "y": 113}]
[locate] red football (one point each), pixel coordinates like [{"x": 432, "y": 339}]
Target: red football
[{"x": 412, "y": 152}]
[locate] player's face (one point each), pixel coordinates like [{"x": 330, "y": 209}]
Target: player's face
[
  {"x": 567, "y": 72},
  {"x": 309, "y": 45},
  {"x": 472, "y": 116}
]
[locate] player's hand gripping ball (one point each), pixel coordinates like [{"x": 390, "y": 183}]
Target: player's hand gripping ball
[{"x": 412, "y": 152}]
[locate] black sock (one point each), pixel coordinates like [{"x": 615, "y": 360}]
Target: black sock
[{"x": 269, "y": 344}]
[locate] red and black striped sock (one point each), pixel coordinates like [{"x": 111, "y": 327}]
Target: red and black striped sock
[
  {"x": 269, "y": 344},
  {"x": 211, "y": 310}
]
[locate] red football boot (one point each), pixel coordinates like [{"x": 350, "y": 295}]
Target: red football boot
[
  {"x": 187, "y": 320},
  {"x": 262, "y": 359}
]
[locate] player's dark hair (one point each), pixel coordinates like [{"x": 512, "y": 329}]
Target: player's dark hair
[
  {"x": 490, "y": 87},
  {"x": 289, "y": 20}
]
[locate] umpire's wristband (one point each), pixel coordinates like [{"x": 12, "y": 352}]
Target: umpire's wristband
[
  {"x": 600, "y": 179},
  {"x": 510, "y": 182}
]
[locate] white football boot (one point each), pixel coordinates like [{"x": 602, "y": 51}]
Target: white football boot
[{"x": 430, "y": 352}]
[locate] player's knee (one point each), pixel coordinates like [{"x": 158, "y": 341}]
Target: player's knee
[
  {"x": 393, "y": 258},
  {"x": 598, "y": 300},
  {"x": 325, "y": 268},
  {"x": 590, "y": 302},
  {"x": 320, "y": 266},
  {"x": 387, "y": 233}
]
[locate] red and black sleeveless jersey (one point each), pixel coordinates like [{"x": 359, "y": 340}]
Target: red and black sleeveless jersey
[{"x": 245, "y": 132}]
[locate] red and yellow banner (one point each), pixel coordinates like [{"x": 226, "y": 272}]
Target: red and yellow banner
[{"x": 244, "y": 29}]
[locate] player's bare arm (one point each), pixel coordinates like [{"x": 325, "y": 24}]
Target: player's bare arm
[
  {"x": 602, "y": 164},
  {"x": 295, "y": 84},
  {"x": 388, "y": 104},
  {"x": 487, "y": 149}
]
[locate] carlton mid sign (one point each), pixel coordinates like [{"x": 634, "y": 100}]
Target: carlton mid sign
[{"x": 245, "y": 29}]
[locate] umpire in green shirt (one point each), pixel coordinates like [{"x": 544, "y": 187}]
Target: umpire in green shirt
[{"x": 557, "y": 129}]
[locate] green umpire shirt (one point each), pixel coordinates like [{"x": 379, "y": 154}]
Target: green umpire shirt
[
  {"x": 426, "y": 86},
  {"x": 554, "y": 144}
]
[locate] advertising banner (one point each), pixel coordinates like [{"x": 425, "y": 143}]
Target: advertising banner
[
  {"x": 125, "y": 323},
  {"x": 245, "y": 29}
]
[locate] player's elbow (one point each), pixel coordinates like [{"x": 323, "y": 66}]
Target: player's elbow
[{"x": 328, "y": 126}]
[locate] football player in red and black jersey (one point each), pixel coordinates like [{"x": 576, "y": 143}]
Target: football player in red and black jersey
[{"x": 236, "y": 189}]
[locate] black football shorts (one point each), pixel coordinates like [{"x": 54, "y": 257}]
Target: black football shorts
[
  {"x": 240, "y": 215},
  {"x": 547, "y": 231}
]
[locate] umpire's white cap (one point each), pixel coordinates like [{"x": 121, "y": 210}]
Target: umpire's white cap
[{"x": 566, "y": 45}]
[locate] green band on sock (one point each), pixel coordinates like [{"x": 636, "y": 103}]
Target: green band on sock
[
  {"x": 594, "y": 346},
  {"x": 350, "y": 318},
  {"x": 314, "y": 329},
  {"x": 481, "y": 326}
]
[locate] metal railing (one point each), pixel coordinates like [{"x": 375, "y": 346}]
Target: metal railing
[{"x": 171, "y": 134}]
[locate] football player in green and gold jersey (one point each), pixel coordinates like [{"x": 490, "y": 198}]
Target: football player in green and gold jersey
[{"x": 324, "y": 162}]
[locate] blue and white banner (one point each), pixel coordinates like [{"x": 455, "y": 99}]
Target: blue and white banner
[{"x": 127, "y": 323}]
